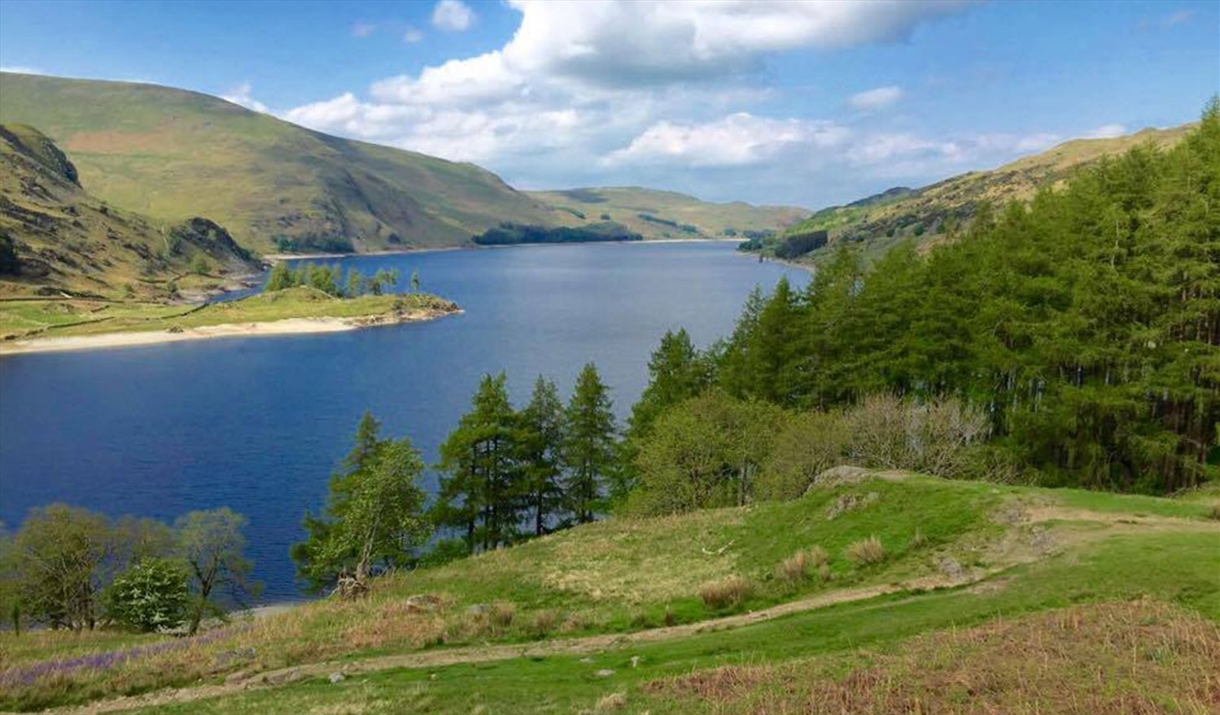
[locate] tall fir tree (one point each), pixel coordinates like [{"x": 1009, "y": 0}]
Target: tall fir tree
[
  {"x": 540, "y": 451},
  {"x": 589, "y": 444}
]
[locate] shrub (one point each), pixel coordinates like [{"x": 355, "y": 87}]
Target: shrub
[
  {"x": 149, "y": 596},
  {"x": 796, "y": 567},
  {"x": 865, "y": 552},
  {"x": 731, "y": 591},
  {"x": 1214, "y": 512},
  {"x": 805, "y": 446},
  {"x": 544, "y": 622},
  {"x": 936, "y": 438},
  {"x": 502, "y": 614}
]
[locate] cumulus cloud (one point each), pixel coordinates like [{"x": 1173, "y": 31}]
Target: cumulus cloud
[
  {"x": 411, "y": 35},
  {"x": 1106, "y": 131},
  {"x": 452, "y": 15},
  {"x": 875, "y": 99},
  {"x": 621, "y": 90},
  {"x": 241, "y": 95},
  {"x": 736, "y": 140}
]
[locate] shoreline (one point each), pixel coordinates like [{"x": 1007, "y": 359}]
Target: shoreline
[
  {"x": 271, "y": 328},
  {"x": 278, "y": 257}
]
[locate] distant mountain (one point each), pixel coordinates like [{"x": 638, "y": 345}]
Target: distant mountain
[
  {"x": 174, "y": 154},
  {"x": 880, "y": 220},
  {"x": 66, "y": 240},
  {"x": 664, "y": 214}
]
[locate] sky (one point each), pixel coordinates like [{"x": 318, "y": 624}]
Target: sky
[{"x": 799, "y": 103}]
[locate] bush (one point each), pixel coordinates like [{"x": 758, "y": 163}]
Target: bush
[
  {"x": 935, "y": 438},
  {"x": 149, "y": 596},
  {"x": 731, "y": 591},
  {"x": 502, "y": 614},
  {"x": 805, "y": 446},
  {"x": 544, "y": 622},
  {"x": 796, "y": 567},
  {"x": 865, "y": 552}
]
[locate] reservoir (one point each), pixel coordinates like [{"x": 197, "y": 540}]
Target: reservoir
[{"x": 259, "y": 424}]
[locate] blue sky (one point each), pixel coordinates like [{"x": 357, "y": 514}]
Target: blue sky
[{"x": 770, "y": 102}]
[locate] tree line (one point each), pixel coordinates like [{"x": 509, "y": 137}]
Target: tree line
[
  {"x": 507, "y": 474},
  {"x": 332, "y": 280},
  {"x": 73, "y": 568}
]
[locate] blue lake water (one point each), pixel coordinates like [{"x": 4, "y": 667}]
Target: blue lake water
[{"x": 258, "y": 424}]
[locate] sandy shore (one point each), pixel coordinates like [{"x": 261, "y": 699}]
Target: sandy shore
[{"x": 291, "y": 326}]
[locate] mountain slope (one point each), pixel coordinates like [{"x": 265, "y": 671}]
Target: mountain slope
[
  {"x": 66, "y": 240},
  {"x": 664, "y": 214},
  {"x": 901, "y": 212},
  {"x": 171, "y": 154}
]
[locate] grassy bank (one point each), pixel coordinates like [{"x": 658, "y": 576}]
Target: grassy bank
[
  {"x": 533, "y": 628},
  {"x": 24, "y": 320}
]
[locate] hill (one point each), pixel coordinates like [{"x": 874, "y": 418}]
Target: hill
[
  {"x": 67, "y": 240},
  {"x": 926, "y": 213},
  {"x": 173, "y": 154},
  {"x": 665, "y": 214},
  {"x": 620, "y": 612}
]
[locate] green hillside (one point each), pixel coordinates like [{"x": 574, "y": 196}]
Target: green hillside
[
  {"x": 927, "y": 213},
  {"x": 664, "y": 214},
  {"x": 66, "y": 240},
  {"x": 625, "y": 607},
  {"x": 173, "y": 154}
]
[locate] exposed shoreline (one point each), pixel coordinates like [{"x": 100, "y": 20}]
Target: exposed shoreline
[
  {"x": 289, "y": 326},
  {"x": 277, "y": 257}
]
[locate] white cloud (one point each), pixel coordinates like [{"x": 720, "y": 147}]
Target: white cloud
[
  {"x": 875, "y": 99},
  {"x": 452, "y": 15},
  {"x": 412, "y": 35},
  {"x": 625, "y": 90},
  {"x": 1177, "y": 18},
  {"x": 241, "y": 95},
  {"x": 363, "y": 29},
  {"x": 18, "y": 69},
  {"x": 739, "y": 139},
  {"x": 1106, "y": 131}
]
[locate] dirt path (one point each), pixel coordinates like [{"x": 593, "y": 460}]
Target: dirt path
[
  {"x": 1007, "y": 557},
  {"x": 239, "y": 682}
]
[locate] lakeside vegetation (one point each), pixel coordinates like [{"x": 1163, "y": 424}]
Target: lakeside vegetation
[
  {"x": 23, "y": 320},
  {"x": 509, "y": 234}
]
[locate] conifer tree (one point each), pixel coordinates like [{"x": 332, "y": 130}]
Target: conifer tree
[{"x": 589, "y": 445}]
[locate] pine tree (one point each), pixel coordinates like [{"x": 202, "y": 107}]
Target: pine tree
[
  {"x": 540, "y": 443},
  {"x": 589, "y": 445}
]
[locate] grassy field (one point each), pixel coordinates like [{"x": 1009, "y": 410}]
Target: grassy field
[
  {"x": 566, "y": 621},
  {"x": 664, "y": 214},
  {"x": 71, "y": 318},
  {"x": 172, "y": 154}
]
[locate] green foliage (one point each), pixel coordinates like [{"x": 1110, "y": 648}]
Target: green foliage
[
  {"x": 589, "y": 444},
  {"x": 1085, "y": 327},
  {"x": 150, "y": 595},
  {"x": 61, "y": 558},
  {"x": 540, "y": 443},
  {"x": 211, "y": 545},
  {"x": 704, "y": 453},
  {"x": 200, "y": 265},
  {"x": 9, "y": 263},
  {"x": 374, "y": 513},
  {"x": 507, "y": 234}
]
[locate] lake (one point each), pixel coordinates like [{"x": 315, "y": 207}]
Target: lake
[{"x": 258, "y": 424}]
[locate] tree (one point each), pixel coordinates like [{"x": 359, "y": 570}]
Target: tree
[
  {"x": 9, "y": 263},
  {"x": 151, "y": 595},
  {"x": 61, "y": 554},
  {"x": 213, "y": 548},
  {"x": 374, "y": 513},
  {"x": 676, "y": 373},
  {"x": 200, "y": 265},
  {"x": 589, "y": 444},
  {"x": 279, "y": 278},
  {"x": 483, "y": 491},
  {"x": 540, "y": 444},
  {"x": 414, "y": 281},
  {"x": 355, "y": 284}
]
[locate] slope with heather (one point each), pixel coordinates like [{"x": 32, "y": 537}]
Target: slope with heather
[
  {"x": 172, "y": 154},
  {"x": 65, "y": 240}
]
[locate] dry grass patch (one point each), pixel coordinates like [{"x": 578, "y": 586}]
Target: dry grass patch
[
  {"x": 865, "y": 552},
  {"x": 731, "y": 591},
  {"x": 1139, "y": 658},
  {"x": 796, "y": 567}
]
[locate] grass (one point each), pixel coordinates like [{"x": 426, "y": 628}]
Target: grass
[
  {"x": 172, "y": 154},
  {"x": 627, "y": 575},
  {"x": 77, "y": 318}
]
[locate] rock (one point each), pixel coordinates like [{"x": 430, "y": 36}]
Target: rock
[
  {"x": 950, "y": 567},
  {"x": 336, "y": 678},
  {"x": 603, "y": 673},
  {"x": 842, "y": 474},
  {"x": 424, "y": 603},
  {"x": 847, "y": 502}
]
